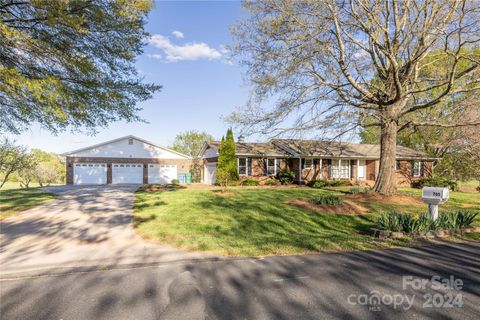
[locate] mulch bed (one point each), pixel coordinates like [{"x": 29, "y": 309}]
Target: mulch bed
[
  {"x": 160, "y": 187},
  {"x": 345, "y": 208},
  {"x": 400, "y": 199}
]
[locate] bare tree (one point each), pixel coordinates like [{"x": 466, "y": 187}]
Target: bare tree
[{"x": 338, "y": 65}]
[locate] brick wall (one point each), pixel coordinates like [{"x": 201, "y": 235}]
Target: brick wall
[{"x": 405, "y": 176}]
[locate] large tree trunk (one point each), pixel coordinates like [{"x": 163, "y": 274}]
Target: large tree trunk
[{"x": 386, "y": 180}]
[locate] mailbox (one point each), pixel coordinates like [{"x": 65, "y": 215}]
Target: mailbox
[{"x": 434, "y": 196}]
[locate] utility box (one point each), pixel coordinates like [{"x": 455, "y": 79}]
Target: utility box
[{"x": 434, "y": 196}]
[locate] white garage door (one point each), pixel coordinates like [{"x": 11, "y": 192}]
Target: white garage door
[
  {"x": 90, "y": 173},
  {"x": 161, "y": 173},
  {"x": 127, "y": 173},
  {"x": 210, "y": 173}
]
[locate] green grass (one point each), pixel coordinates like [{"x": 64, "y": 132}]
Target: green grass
[
  {"x": 260, "y": 222},
  {"x": 13, "y": 201}
]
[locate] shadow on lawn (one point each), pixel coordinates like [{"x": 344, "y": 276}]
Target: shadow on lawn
[{"x": 264, "y": 219}]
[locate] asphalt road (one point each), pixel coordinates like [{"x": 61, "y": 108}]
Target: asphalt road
[{"x": 323, "y": 286}]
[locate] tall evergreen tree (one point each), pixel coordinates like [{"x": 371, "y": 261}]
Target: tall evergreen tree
[{"x": 227, "y": 172}]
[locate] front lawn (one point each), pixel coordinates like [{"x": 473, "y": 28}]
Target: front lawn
[
  {"x": 260, "y": 221},
  {"x": 13, "y": 201}
]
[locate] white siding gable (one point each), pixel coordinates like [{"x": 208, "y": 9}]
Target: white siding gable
[
  {"x": 122, "y": 149},
  {"x": 210, "y": 153}
]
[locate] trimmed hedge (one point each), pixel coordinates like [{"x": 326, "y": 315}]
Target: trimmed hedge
[
  {"x": 249, "y": 182},
  {"x": 328, "y": 183},
  {"x": 272, "y": 182},
  {"x": 436, "y": 182}
]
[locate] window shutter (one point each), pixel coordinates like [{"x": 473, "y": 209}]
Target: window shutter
[
  {"x": 352, "y": 163},
  {"x": 249, "y": 167},
  {"x": 329, "y": 167}
]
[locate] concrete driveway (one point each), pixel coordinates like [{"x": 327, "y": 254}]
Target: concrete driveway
[{"x": 85, "y": 226}]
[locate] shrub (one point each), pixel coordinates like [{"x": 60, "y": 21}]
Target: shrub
[
  {"x": 175, "y": 181},
  {"x": 464, "y": 218},
  {"x": 436, "y": 182},
  {"x": 249, "y": 182},
  {"x": 326, "y": 200},
  {"x": 423, "y": 223},
  {"x": 355, "y": 190},
  {"x": 271, "y": 182},
  {"x": 328, "y": 183},
  {"x": 286, "y": 176}
]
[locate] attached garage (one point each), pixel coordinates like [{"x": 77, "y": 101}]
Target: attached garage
[
  {"x": 161, "y": 173},
  {"x": 89, "y": 173},
  {"x": 127, "y": 173},
  {"x": 126, "y": 160}
]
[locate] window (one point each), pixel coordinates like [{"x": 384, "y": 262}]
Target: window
[
  {"x": 398, "y": 166},
  {"x": 271, "y": 166},
  {"x": 244, "y": 166},
  {"x": 417, "y": 168},
  {"x": 130, "y": 141},
  {"x": 340, "y": 169},
  {"x": 307, "y": 163}
]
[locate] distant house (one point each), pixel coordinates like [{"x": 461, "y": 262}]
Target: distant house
[{"x": 317, "y": 160}]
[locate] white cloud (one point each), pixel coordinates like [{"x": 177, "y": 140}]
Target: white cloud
[
  {"x": 154, "y": 56},
  {"x": 177, "y": 34},
  {"x": 188, "y": 51}
]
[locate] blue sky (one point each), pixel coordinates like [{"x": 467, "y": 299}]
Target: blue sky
[{"x": 186, "y": 56}]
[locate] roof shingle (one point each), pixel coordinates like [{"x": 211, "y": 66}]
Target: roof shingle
[{"x": 316, "y": 148}]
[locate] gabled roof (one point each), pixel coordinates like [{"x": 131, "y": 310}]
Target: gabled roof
[
  {"x": 252, "y": 149},
  {"x": 319, "y": 148},
  {"x": 122, "y": 138}
]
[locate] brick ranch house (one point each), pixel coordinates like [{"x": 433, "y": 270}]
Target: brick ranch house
[
  {"x": 317, "y": 160},
  {"x": 126, "y": 160}
]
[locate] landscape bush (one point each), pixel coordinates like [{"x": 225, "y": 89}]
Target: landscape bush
[
  {"x": 326, "y": 200},
  {"x": 436, "y": 182},
  {"x": 175, "y": 181},
  {"x": 286, "y": 176},
  {"x": 272, "y": 182},
  {"x": 355, "y": 190},
  {"x": 401, "y": 222},
  {"x": 328, "y": 183},
  {"x": 249, "y": 182}
]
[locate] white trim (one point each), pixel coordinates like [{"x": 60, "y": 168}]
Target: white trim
[
  {"x": 299, "y": 170},
  {"x": 364, "y": 169},
  {"x": 339, "y": 168},
  {"x": 247, "y": 160},
  {"x": 321, "y": 168},
  {"x": 66, "y": 154},
  {"x": 419, "y": 168},
  {"x": 275, "y": 167},
  {"x": 312, "y": 165}
]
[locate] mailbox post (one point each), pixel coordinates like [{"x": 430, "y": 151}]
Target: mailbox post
[{"x": 434, "y": 196}]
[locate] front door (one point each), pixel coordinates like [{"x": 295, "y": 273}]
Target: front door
[{"x": 362, "y": 169}]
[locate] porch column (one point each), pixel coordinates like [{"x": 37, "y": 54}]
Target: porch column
[
  {"x": 299, "y": 170},
  {"x": 358, "y": 169},
  {"x": 321, "y": 168}
]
